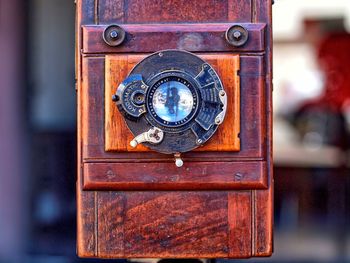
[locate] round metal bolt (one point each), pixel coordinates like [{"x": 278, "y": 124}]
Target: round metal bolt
[
  {"x": 222, "y": 93},
  {"x": 114, "y": 34},
  {"x": 179, "y": 163},
  {"x": 217, "y": 120},
  {"x": 115, "y": 98},
  {"x": 199, "y": 141},
  {"x": 237, "y": 35}
]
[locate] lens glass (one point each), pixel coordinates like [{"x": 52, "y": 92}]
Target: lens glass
[{"x": 172, "y": 101}]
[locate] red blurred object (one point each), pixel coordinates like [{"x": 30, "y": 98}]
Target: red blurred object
[
  {"x": 322, "y": 121},
  {"x": 334, "y": 60}
]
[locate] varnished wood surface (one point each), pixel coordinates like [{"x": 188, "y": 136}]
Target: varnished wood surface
[
  {"x": 190, "y": 37},
  {"x": 117, "y": 134},
  {"x": 165, "y": 176},
  {"x": 172, "y": 224},
  {"x": 152, "y": 11},
  {"x": 240, "y": 224},
  {"x": 175, "y": 224},
  {"x": 252, "y": 143}
]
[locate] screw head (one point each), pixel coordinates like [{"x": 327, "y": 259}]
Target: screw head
[
  {"x": 237, "y": 35},
  {"x": 114, "y": 34}
]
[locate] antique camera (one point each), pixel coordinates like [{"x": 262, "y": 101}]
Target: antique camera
[{"x": 174, "y": 129}]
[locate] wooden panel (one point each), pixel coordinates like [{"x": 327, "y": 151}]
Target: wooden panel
[
  {"x": 92, "y": 115},
  {"x": 155, "y": 37},
  {"x": 86, "y": 244},
  {"x": 165, "y": 176},
  {"x": 263, "y": 222},
  {"x": 240, "y": 220},
  {"x": 148, "y": 11},
  {"x": 86, "y": 11},
  {"x": 162, "y": 224},
  {"x": 118, "y": 136},
  {"x": 111, "y": 11},
  {"x": 110, "y": 223},
  {"x": 252, "y": 142},
  {"x": 239, "y": 10}
]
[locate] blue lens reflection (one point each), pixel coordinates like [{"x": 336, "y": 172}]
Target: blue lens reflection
[{"x": 172, "y": 101}]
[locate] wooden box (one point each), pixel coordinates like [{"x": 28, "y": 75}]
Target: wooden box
[{"x": 135, "y": 202}]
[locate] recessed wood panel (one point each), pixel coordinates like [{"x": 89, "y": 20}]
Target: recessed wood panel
[
  {"x": 118, "y": 136},
  {"x": 166, "y": 224},
  {"x": 252, "y": 108},
  {"x": 150, "y": 11}
]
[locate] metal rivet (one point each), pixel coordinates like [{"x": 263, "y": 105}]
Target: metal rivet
[
  {"x": 222, "y": 93},
  {"x": 238, "y": 176}
]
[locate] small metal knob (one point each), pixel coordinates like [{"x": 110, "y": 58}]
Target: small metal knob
[
  {"x": 237, "y": 35},
  {"x": 178, "y": 161},
  {"x": 114, "y": 35}
]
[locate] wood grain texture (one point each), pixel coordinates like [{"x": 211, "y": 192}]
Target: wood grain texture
[
  {"x": 171, "y": 224},
  {"x": 118, "y": 136},
  {"x": 111, "y": 217},
  {"x": 240, "y": 224},
  {"x": 150, "y": 11},
  {"x": 111, "y": 11},
  {"x": 189, "y": 223},
  {"x": 263, "y": 222},
  {"x": 240, "y": 10},
  {"x": 190, "y": 37},
  {"x": 86, "y": 239},
  {"x": 252, "y": 144},
  {"x": 165, "y": 176}
]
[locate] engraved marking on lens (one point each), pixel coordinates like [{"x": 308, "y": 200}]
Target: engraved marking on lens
[{"x": 172, "y": 101}]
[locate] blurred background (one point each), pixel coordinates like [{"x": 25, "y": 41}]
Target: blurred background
[{"x": 311, "y": 131}]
